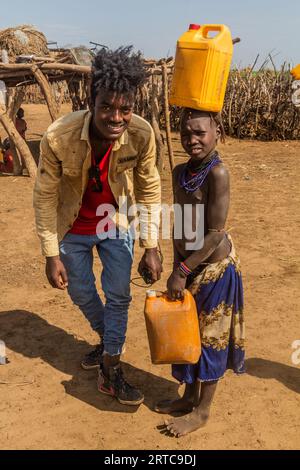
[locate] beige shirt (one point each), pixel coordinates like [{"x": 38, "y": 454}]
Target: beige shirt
[{"x": 63, "y": 176}]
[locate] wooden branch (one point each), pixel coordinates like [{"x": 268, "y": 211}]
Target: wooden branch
[
  {"x": 8, "y": 76},
  {"x": 18, "y": 170},
  {"x": 11, "y": 96},
  {"x": 167, "y": 113},
  {"x": 155, "y": 125},
  {"x": 84, "y": 69},
  {"x": 47, "y": 91},
  {"x": 16, "y": 82},
  {"x": 16, "y": 102},
  {"x": 18, "y": 141}
]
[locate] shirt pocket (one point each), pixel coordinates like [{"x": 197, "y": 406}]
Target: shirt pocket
[{"x": 126, "y": 165}]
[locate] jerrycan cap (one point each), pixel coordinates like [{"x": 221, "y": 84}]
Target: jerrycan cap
[
  {"x": 194, "y": 26},
  {"x": 150, "y": 293}
]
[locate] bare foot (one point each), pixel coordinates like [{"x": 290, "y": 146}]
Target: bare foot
[
  {"x": 169, "y": 406},
  {"x": 181, "y": 426}
]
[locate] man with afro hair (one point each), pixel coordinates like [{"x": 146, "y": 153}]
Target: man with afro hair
[{"x": 93, "y": 163}]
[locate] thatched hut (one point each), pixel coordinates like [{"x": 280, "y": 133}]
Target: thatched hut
[{"x": 23, "y": 40}]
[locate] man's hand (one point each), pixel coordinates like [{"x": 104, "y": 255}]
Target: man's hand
[
  {"x": 176, "y": 285},
  {"x": 152, "y": 263},
  {"x": 56, "y": 273}
]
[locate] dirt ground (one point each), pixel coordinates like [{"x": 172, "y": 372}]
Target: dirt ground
[{"x": 49, "y": 402}]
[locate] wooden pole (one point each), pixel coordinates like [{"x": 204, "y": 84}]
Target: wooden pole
[
  {"x": 167, "y": 113},
  {"x": 11, "y": 97},
  {"x": 85, "y": 69},
  {"x": 18, "y": 141},
  {"x": 15, "y": 103},
  {"x": 12, "y": 113},
  {"x": 52, "y": 66},
  {"x": 155, "y": 125},
  {"x": 47, "y": 91}
]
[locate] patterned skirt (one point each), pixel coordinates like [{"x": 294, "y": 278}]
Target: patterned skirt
[{"x": 218, "y": 291}]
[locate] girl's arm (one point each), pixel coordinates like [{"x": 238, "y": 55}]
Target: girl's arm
[
  {"x": 217, "y": 210},
  {"x": 177, "y": 258}
]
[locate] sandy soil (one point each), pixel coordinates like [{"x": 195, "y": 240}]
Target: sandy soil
[{"x": 50, "y": 403}]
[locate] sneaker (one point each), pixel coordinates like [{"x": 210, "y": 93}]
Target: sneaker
[
  {"x": 116, "y": 386},
  {"x": 94, "y": 359}
]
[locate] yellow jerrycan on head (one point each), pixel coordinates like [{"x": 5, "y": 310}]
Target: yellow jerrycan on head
[
  {"x": 172, "y": 328},
  {"x": 201, "y": 68}
]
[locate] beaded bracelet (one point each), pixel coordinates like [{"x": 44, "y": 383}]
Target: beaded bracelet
[{"x": 184, "y": 269}]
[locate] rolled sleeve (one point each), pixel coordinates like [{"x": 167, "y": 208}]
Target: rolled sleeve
[
  {"x": 45, "y": 199},
  {"x": 147, "y": 190}
]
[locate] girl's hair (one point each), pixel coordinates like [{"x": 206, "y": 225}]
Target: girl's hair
[
  {"x": 188, "y": 113},
  {"x": 121, "y": 70}
]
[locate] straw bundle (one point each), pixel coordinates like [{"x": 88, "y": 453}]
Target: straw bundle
[
  {"x": 259, "y": 105},
  {"x": 23, "y": 39}
]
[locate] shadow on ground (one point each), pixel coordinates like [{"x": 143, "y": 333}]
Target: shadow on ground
[
  {"x": 264, "y": 369},
  {"x": 30, "y": 335}
]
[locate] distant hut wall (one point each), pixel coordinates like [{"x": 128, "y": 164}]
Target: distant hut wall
[{"x": 34, "y": 95}]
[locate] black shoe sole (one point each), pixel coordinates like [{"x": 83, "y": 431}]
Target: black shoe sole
[
  {"x": 131, "y": 403},
  {"x": 86, "y": 367}
]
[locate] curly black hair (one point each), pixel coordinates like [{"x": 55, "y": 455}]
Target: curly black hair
[{"x": 120, "y": 70}]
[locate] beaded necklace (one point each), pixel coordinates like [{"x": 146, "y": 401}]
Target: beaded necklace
[{"x": 191, "y": 184}]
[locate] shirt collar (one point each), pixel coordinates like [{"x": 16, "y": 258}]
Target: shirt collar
[{"x": 123, "y": 140}]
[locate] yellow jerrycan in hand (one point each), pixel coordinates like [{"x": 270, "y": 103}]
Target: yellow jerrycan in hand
[
  {"x": 172, "y": 328},
  {"x": 201, "y": 68}
]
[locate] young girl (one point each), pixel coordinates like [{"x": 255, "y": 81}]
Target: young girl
[
  {"x": 7, "y": 166},
  {"x": 212, "y": 273}
]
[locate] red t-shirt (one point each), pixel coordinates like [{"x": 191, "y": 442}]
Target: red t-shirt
[{"x": 87, "y": 220}]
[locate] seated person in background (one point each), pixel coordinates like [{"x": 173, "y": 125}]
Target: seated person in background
[{"x": 21, "y": 124}]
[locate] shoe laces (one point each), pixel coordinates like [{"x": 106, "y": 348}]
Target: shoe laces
[{"x": 120, "y": 381}]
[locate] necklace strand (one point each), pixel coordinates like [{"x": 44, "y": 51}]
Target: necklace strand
[{"x": 190, "y": 185}]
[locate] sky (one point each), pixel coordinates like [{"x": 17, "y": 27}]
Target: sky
[{"x": 264, "y": 26}]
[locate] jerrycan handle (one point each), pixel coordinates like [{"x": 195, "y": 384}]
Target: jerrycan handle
[
  {"x": 165, "y": 296},
  {"x": 212, "y": 27}
]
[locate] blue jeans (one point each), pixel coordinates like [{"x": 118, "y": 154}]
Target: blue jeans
[{"x": 116, "y": 255}]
